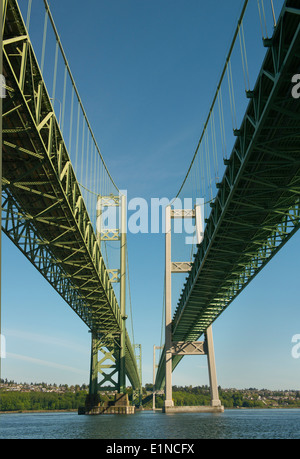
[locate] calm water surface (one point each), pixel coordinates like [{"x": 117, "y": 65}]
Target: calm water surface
[{"x": 233, "y": 424}]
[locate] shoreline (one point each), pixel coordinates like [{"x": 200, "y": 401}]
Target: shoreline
[
  {"x": 38, "y": 411},
  {"x": 149, "y": 409}
]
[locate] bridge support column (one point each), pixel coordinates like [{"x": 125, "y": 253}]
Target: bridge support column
[
  {"x": 116, "y": 275},
  {"x": 93, "y": 387},
  {"x": 137, "y": 394},
  {"x": 168, "y": 298},
  {"x": 215, "y": 401},
  {"x": 169, "y": 269},
  {"x": 107, "y": 365},
  {"x": 112, "y": 345},
  {"x": 122, "y": 372},
  {"x": 206, "y": 347},
  {"x": 154, "y": 369},
  {"x": 183, "y": 348}
]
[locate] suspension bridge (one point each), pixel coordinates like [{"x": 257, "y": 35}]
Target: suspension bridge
[
  {"x": 56, "y": 188},
  {"x": 49, "y": 215},
  {"x": 253, "y": 210}
]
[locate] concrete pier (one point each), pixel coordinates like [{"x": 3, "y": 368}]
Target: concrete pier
[
  {"x": 119, "y": 406},
  {"x": 97, "y": 410},
  {"x": 193, "y": 409}
]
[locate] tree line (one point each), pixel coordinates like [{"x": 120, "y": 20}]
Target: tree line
[
  {"x": 182, "y": 396},
  {"x": 230, "y": 398},
  {"x": 40, "y": 401}
]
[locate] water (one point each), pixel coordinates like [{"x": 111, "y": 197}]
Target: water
[{"x": 233, "y": 424}]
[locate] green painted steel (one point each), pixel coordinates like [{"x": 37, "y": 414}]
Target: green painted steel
[
  {"x": 44, "y": 213},
  {"x": 108, "y": 366},
  {"x": 257, "y": 208}
]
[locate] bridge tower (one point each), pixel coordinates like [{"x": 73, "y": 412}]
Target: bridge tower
[
  {"x": 137, "y": 393},
  {"x": 183, "y": 348},
  {"x": 108, "y": 350}
]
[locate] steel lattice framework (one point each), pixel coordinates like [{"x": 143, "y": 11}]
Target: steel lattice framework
[
  {"x": 44, "y": 213},
  {"x": 257, "y": 209}
]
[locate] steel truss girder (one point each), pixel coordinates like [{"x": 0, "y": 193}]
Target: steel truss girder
[{"x": 22, "y": 233}]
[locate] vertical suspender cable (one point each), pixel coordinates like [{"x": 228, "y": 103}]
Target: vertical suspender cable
[
  {"x": 55, "y": 74},
  {"x": 245, "y": 55},
  {"x": 243, "y": 62},
  {"x": 214, "y": 144},
  {"x": 129, "y": 296},
  {"x": 77, "y": 140},
  {"x": 222, "y": 124},
  {"x": 28, "y": 15},
  {"x": 92, "y": 185},
  {"x": 264, "y": 15},
  {"x": 163, "y": 317},
  {"x": 244, "y": 8},
  {"x": 86, "y": 162},
  {"x": 202, "y": 172},
  {"x": 95, "y": 185},
  {"x": 260, "y": 18},
  {"x": 198, "y": 179},
  {"x": 64, "y": 100},
  {"x": 44, "y": 42},
  {"x": 273, "y": 11},
  {"x": 233, "y": 98},
  {"x": 58, "y": 41},
  {"x": 82, "y": 151},
  {"x": 208, "y": 165},
  {"x": 230, "y": 96},
  {"x": 71, "y": 121}
]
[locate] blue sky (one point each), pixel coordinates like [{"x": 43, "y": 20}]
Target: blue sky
[{"x": 146, "y": 72}]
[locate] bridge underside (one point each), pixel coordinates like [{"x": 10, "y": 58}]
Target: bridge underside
[
  {"x": 44, "y": 213},
  {"x": 257, "y": 209}
]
